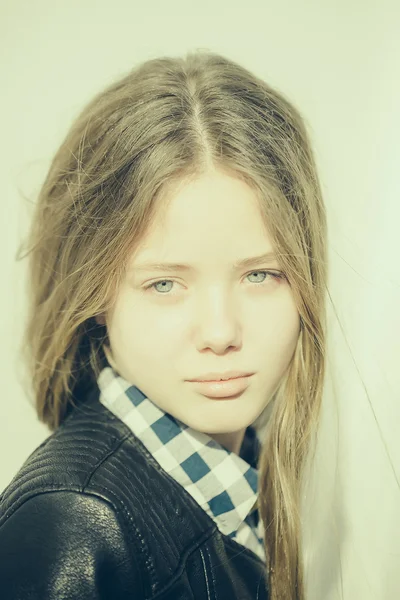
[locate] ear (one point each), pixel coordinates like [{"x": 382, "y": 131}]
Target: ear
[{"x": 100, "y": 319}]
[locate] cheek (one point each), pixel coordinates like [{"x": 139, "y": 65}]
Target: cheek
[
  {"x": 148, "y": 338},
  {"x": 279, "y": 339},
  {"x": 289, "y": 341}
]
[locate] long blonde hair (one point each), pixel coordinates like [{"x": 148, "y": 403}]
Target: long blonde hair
[{"x": 169, "y": 120}]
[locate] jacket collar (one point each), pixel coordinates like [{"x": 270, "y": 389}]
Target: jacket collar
[{"x": 224, "y": 484}]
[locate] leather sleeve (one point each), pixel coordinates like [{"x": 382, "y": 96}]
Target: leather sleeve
[{"x": 66, "y": 545}]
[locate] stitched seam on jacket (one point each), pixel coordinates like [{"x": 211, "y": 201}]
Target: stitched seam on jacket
[
  {"x": 104, "y": 458},
  {"x": 211, "y": 570},
  {"x": 143, "y": 547},
  {"x": 205, "y": 573},
  {"x": 182, "y": 563}
]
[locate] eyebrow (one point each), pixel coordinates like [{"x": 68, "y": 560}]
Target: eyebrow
[{"x": 268, "y": 257}]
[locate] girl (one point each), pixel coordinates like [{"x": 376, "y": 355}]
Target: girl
[{"x": 175, "y": 343}]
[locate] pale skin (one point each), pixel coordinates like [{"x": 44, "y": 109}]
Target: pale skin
[{"x": 207, "y": 318}]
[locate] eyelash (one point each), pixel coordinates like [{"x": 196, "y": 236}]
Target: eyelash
[{"x": 273, "y": 274}]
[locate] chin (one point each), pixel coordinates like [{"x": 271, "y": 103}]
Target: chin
[{"x": 211, "y": 427}]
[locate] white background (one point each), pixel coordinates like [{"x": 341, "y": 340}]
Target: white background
[{"x": 338, "y": 61}]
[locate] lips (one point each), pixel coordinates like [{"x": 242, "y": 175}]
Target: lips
[
  {"x": 222, "y": 389},
  {"x": 213, "y": 376}
]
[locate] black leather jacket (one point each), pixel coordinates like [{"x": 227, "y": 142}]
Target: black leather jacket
[{"x": 92, "y": 516}]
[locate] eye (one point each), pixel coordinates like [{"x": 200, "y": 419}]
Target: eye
[
  {"x": 274, "y": 275},
  {"x": 271, "y": 273},
  {"x": 152, "y": 285}
]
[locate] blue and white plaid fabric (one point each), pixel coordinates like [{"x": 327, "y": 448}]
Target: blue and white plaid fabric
[{"x": 220, "y": 481}]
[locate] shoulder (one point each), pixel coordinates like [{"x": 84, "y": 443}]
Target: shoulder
[
  {"x": 66, "y": 544},
  {"x": 56, "y": 527},
  {"x": 69, "y": 457}
]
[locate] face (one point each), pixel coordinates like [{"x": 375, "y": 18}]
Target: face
[{"x": 209, "y": 318}]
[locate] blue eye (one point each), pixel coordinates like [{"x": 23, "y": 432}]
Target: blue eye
[
  {"x": 274, "y": 275},
  {"x": 157, "y": 282}
]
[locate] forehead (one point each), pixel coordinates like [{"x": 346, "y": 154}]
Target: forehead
[
  {"x": 211, "y": 217},
  {"x": 222, "y": 205}
]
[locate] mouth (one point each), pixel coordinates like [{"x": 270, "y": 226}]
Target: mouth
[{"x": 222, "y": 388}]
